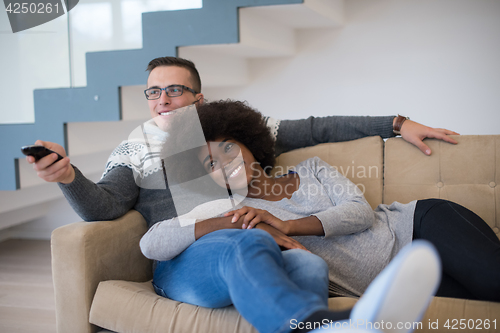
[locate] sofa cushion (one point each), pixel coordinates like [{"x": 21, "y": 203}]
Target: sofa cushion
[
  {"x": 466, "y": 173},
  {"x": 360, "y": 160},
  {"x": 124, "y": 307},
  {"x": 478, "y": 315}
]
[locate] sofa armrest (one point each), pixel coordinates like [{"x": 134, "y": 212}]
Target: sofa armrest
[{"x": 86, "y": 253}]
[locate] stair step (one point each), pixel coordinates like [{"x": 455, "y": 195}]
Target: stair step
[
  {"x": 310, "y": 14},
  {"x": 265, "y": 31}
]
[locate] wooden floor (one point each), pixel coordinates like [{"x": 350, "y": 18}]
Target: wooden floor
[{"x": 26, "y": 291}]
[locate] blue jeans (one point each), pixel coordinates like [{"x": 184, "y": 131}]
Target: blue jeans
[{"x": 247, "y": 268}]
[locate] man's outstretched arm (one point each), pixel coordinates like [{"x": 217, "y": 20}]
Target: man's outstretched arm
[
  {"x": 110, "y": 198},
  {"x": 293, "y": 134}
]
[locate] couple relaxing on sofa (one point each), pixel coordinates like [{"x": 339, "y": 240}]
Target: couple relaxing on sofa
[{"x": 284, "y": 238}]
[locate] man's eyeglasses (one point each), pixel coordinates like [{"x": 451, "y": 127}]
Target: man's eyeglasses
[{"x": 174, "y": 90}]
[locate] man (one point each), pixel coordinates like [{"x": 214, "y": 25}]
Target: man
[{"x": 174, "y": 83}]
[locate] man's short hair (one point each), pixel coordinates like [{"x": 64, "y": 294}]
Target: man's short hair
[{"x": 178, "y": 62}]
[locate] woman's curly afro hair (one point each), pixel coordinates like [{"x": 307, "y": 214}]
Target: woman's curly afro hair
[{"x": 228, "y": 119}]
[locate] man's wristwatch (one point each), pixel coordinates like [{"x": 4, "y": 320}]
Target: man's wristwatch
[{"x": 396, "y": 127}]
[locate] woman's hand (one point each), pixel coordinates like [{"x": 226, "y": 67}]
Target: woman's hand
[
  {"x": 253, "y": 216},
  {"x": 280, "y": 238}
]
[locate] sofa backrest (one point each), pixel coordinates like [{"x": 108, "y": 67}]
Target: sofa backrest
[
  {"x": 359, "y": 160},
  {"x": 467, "y": 173}
]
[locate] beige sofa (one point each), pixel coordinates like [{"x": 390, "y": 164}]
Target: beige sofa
[{"x": 102, "y": 279}]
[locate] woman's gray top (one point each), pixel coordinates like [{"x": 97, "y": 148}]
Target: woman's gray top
[{"x": 358, "y": 242}]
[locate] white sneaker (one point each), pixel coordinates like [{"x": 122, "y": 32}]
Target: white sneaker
[{"x": 398, "y": 297}]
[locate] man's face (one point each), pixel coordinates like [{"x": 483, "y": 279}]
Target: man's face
[{"x": 164, "y": 76}]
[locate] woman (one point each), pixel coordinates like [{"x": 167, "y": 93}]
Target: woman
[
  {"x": 315, "y": 201},
  {"x": 319, "y": 201}
]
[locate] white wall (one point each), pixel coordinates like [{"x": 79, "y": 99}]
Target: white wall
[{"x": 436, "y": 61}]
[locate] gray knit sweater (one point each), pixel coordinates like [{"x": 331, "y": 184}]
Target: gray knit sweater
[
  {"x": 117, "y": 192},
  {"x": 358, "y": 242}
]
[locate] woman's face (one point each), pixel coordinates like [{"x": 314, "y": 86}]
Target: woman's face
[{"x": 230, "y": 164}]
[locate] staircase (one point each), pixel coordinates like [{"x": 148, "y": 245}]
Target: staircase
[{"x": 219, "y": 38}]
